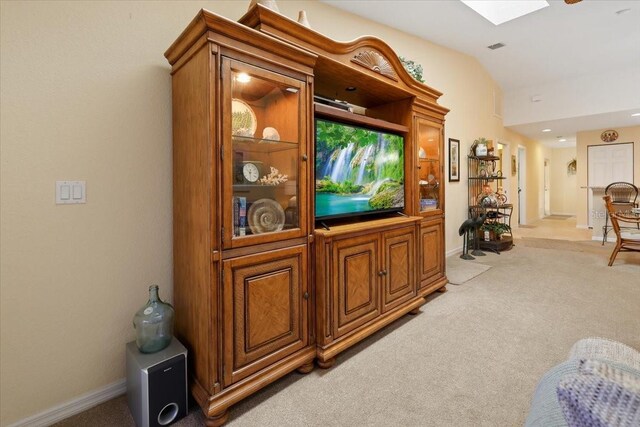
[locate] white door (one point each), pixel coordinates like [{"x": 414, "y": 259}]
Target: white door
[
  {"x": 607, "y": 164},
  {"x": 610, "y": 163},
  {"x": 547, "y": 199}
]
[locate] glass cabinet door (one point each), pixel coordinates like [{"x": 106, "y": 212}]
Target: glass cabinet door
[
  {"x": 430, "y": 184},
  {"x": 264, "y": 161}
]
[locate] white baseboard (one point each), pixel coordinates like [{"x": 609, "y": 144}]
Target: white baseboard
[
  {"x": 609, "y": 238},
  {"x": 74, "y": 406},
  {"x": 453, "y": 251},
  {"x": 564, "y": 213}
]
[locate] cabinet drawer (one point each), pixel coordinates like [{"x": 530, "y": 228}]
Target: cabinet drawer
[{"x": 265, "y": 310}]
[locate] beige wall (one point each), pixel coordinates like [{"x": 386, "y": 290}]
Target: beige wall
[
  {"x": 562, "y": 186},
  {"x": 86, "y": 95},
  {"x": 583, "y": 140}
]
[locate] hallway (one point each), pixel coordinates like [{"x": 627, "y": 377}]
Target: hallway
[{"x": 557, "y": 227}]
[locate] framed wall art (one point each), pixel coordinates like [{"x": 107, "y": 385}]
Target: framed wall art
[
  {"x": 514, "y": 165},
  {"x": 454, "y": 160}
]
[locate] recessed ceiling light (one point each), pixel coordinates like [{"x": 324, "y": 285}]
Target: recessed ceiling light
[
  {"x": 498, "y": 12},
  {"x": 635, "y": 115},
  {"x": 546, "y": 130}
]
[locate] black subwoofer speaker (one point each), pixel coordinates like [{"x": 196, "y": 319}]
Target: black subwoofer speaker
[{"x": 157, "y": 385}]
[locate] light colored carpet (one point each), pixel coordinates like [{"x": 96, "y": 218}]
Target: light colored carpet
[
  {"x": 560, "y": 217},
  {"x": 592, "y": 246},
  {"x": 472, "y": 357}
]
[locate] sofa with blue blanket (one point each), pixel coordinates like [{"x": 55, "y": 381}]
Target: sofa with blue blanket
[{"x": 598, "y": 385}]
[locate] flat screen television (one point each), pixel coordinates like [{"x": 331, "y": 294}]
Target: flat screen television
[{"x": 358, "y": 170}]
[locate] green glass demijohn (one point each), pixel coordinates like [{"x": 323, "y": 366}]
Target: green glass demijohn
[{"x": 153, "y": 323}]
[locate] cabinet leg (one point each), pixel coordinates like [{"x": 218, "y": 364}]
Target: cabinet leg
[
  {"x": 327, "y": 363},
  {"x": 216, "y": 420},
  {"x": 443, "y": 289},
  {"x": 306, "y": 368},
  {"x": 415, "y": 311}
]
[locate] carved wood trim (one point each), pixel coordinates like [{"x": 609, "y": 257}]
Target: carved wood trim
[{"x": 374, "y": 61}]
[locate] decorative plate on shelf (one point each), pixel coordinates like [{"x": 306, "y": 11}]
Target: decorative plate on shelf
[
  {"x": 243, "y": 119},
  {"x": 265, "y": 216}
]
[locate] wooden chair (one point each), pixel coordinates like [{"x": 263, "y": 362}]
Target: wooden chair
[
  {"x": 623, "y": 195},
  {"x": 622, "y": 243}
]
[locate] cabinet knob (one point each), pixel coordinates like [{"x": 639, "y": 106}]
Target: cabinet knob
[
  {"x": 380, "y": 273},
  {"x": 304, "y": 157},
  {"x": 384, "y": 272},
  {"x": 306, "y": 295}
]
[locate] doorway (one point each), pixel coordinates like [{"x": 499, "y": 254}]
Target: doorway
[{"x": 522, "y": 185}]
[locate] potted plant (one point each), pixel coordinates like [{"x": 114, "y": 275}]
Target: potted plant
[
  {"x": 493, "y": 230},
  {"x": 480, "y": 147}
]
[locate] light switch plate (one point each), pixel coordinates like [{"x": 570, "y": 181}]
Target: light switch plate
[{"x": 71, "y": 192}]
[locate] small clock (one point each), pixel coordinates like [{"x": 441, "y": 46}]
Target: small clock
[{"x": 251, "y": 172}]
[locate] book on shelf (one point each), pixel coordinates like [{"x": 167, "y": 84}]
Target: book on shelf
[{"x": 239, "y": 216}]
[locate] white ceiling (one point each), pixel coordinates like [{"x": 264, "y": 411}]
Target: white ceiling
[{"x": 558, "y": 43}]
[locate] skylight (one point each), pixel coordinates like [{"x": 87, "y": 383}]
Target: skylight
[{"x": 499, "y": 12}]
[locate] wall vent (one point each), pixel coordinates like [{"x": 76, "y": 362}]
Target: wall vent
[{"x": 496, "y": 46}]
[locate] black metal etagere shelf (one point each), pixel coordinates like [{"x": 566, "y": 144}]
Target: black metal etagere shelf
[{"x": 484, "y": 182}]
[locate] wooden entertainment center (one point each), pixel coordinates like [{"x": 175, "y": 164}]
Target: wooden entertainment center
[{"x": 260, "y": 288}]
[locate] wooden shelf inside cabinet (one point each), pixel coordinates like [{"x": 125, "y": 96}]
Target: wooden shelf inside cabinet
[
  {"x": 322, "y": 110},
  {"x": 259, "y": 145},
  {"x": 429, "y": 185},
  {"x": 366, "y": 226},
  {"x": 253, "y": 186}
]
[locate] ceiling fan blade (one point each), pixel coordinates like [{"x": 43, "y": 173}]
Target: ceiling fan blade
[{"x": 572, "y": 1}]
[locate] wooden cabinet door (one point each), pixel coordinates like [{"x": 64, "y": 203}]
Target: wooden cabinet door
[
  {"x": 399, "y": 278},
  {"x": 429, "y": 147},
  {"x": 265, "y": 310},
  {"x": 264, "y": 155},
  {"x": 432, "y": 246},
  {"x": 355, "y": 282}
]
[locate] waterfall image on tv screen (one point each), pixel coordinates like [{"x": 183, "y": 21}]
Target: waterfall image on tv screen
[{"x": 358, "y": 170}]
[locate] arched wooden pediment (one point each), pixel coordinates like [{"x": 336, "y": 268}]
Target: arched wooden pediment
[{"x": 366, "y": 62}]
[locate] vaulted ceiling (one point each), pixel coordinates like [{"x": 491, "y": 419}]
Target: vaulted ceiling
[{"x": 565, "y": 67}]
